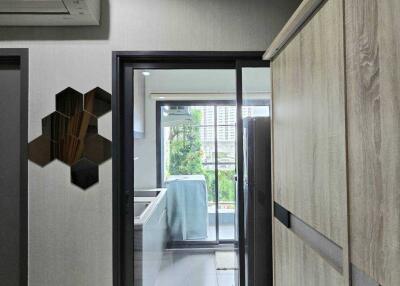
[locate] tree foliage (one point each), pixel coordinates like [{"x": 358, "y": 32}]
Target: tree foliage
[
  {"x": 226, "y": 185},
  {"x": 185, "y": 147},
  {"x": 185, "y": 158}
]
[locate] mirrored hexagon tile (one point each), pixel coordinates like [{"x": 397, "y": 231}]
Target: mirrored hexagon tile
[
  {"x": 97, "y": 148},
  {"x": 84, "y": 173},
  {"x": 69, "y": 102},
  {"x": 69, "y": 150},
  {"x": 41, "y": 151},
  {"x": 82, "y": 124},
  {"x": 98, "y": 102},
  {"x": 55, "y": 126}
]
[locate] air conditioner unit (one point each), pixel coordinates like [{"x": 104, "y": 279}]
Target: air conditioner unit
[
  {"x": 176, "y": 115},
  {"x": 49, "y": 12}
]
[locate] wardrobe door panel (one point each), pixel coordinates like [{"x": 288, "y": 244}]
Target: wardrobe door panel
[
  {"x": 373, "y": 91},
  {"x": 309, "y": 124},
  {"x": 296, "y": 264}
]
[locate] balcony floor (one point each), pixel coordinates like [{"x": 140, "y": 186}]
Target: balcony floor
[{"x": 182, "y": 268}]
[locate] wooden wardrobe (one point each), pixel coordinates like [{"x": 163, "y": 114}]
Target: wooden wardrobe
[{"x": 336, "y": 144}]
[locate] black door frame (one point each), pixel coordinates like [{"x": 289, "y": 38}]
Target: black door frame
[
  {"x": 20, "y": 57},
  {"x": 123, "y": 64}
]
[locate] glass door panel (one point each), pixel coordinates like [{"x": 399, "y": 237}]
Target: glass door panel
[
  {"x": 201, "y": 140},
  {"x": 188, "y": 152},
  {"x": 226, "y": 130},
  {"x": 256, "y": 97}
]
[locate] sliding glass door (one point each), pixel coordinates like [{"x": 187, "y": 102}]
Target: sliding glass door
[
  {"x": 198, "y": 141},
  {"x": 187, "y": 153},
  {"x": 253, "y": 100}
]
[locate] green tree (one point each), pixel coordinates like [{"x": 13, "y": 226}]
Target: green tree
[
  {"x": 185, "y": 158},
  {"x": 185, "y": 147},
  {"x": 226, "y": 186}
]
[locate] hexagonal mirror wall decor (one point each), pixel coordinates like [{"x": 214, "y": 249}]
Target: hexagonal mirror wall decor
[
  {"x": 84, "y": 173},
  {"x": 70, "y": 135},
  {"x": 69, "y": 101},
  {"x": 55, "y": 126},
  {"x": 42, "y": 150},
  {"x": 97, "y": 102}
]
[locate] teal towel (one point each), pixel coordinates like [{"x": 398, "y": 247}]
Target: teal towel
[{"x": 187, "y": 207}]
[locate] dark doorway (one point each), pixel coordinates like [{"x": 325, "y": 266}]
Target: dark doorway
[
  {"x": 14, "y": 167},
  {"x": 124, "y": 64}
]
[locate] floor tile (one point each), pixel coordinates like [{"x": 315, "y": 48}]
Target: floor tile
[
  {"x": 226, "y": 277},
  {"x": 186, "y": 268}
]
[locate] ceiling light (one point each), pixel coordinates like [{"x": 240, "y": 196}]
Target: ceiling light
[{"x": 146, "y": 73}]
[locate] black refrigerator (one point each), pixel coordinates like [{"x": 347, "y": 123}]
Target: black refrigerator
[{"x": 257, "y": 201}]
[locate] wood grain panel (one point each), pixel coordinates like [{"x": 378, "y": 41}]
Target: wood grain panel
[
  {"x": 309, "y": 125},
  {"x": 296, "y": 264},
  {"x": 373, "y": 91}
]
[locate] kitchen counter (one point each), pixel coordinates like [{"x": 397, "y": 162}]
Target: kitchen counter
[
  {"x": 150, "y": 234},
  {"x": 153, "y": 203}
]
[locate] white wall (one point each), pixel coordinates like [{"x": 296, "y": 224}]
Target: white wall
[
  {"x": 145, "y": 172},
  {"x": 70, "y": 229}
]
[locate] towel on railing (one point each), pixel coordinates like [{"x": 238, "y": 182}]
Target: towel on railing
[{"x": 187, "y": 207}]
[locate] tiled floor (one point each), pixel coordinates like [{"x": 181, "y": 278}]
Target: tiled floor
[
  {"x": 226, "y": 277},
  {"x": 226, "y": 231},
  {"x": 185, "y": 268}
]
